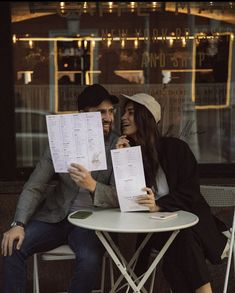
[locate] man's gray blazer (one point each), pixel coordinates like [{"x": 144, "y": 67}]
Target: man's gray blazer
[{"x": 49, "y": 200}]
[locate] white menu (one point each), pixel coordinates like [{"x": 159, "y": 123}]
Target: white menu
[
  {"x": 76, "y": 138},
  {"x": 129, "y": 177}
]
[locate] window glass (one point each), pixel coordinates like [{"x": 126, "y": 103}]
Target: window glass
[{"x": 182, "y": 53}]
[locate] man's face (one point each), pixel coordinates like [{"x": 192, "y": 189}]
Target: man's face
[{"x": 106, "y": 110}]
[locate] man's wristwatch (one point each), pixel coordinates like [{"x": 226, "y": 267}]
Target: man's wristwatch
[{"x": 17, "y": 223}]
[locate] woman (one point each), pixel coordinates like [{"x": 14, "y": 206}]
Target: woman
[{"x": 172, "y": 184}]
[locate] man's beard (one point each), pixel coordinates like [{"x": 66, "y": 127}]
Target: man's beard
[{"x": 107, "y": 128}]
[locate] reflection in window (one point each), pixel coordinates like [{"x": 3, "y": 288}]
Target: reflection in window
[
  {"x": 177, "y": 53},
  {"x": 31, "y": 136}
]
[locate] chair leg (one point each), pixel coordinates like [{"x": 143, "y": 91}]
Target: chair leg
[
  {"x": 152, "y": 281},
  {"x": 35, "y": 274},
  {"x": 101, "y": 290},
  {"x": 234, "y": 259},
  {"x": 103, "y": 274},
  {"x": 111, "y": 272},
  {"x": 229, "y": 257}
]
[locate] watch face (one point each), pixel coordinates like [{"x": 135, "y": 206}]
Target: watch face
[{"x": 13, "y": 224}]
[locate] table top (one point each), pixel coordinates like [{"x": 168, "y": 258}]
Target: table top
[{"x": 113, "y": 220}]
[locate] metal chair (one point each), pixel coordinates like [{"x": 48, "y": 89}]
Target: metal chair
[
  {"x": 223, "y": 196},
  {"x": 153, "y": 254},
  {"x": 64, "y": 252},
  {"x": 216, "y": 196}
]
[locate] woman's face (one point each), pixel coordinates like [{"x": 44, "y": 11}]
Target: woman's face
[{"x": 128, "y": 124}]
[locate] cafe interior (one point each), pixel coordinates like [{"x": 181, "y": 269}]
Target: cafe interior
[{"x": 181, "y": 53}]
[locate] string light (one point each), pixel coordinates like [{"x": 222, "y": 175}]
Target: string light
[
  {"x": 110, "y": 7},
  {"x": 107, "y": 7},
  {"x": 62, "y": 6},
  {"x": 85, "y": 44},
  {"x": 109, "y": 41},
  {"x": 93, "y": 43},
  {"x": 14, "y": 38},
  {"x": 85, "y": 7},
  {"x": 132, "y": 6},
  {"x": 97, "y": 39},
  {"x": 211, "y": 7},
  {"x": 122, "y": 39},
  {"x": 30, "y": 44},
  {"x": 171, "y": 42},
  {"x": 184, "y": 42},
  {"x": 154, "y": 5},
  {"x": 136, "y": 43},
  {"x": 123, "y": 43}
]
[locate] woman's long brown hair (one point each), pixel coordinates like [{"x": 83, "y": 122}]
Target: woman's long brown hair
[{"x": 148, "y": 138}]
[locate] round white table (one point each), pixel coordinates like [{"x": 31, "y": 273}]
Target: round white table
[
  {"x": 112, "y": 220},
  {"x": 104, "y": 221}
]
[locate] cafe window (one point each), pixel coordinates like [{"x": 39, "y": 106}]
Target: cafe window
[{"x": 181, "y": 53}]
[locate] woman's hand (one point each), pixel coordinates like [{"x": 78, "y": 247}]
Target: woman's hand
[
  {"x": 122, "y": 142},
  {"x": 148, "y": 200},
  {"x": 82, "y": 177}
]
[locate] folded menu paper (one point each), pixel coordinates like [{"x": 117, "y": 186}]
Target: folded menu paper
[
  {"x": 76, "y": 138},
  {"x": 163, "y": 215},
  {"x": 129, "y": 177}
]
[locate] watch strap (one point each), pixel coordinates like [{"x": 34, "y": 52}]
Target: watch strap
[{"x": 17, "y": 223}]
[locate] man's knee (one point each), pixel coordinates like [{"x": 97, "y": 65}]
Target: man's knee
[{"x": 90, "y": 256}]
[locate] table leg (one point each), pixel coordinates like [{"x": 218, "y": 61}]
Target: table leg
[
  {"x": 131, "y": 263},
  {"x": 121, "y": 267},
  {"x": 126, "y": 269},
  {"x": 157, "y": 259}
]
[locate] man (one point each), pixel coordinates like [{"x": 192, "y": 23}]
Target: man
[{"x": 40, "y": 221}]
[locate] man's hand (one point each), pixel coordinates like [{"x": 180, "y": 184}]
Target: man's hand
[
  {"x": 15, "y": 233},
  {"x": 82, "y": 177},
  {"x": 148, "y": 200}
]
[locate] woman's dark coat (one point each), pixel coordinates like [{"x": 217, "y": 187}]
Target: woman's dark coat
[{"x": 180, "y": 167}]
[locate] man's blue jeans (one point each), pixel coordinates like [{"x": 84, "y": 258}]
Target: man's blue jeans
[{"x": 41, "y": 236}]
